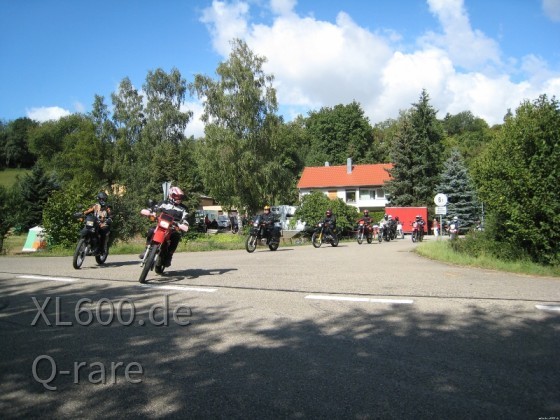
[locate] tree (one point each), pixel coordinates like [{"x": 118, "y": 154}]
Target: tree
[
  {"x": 314, "y": 205},
  {"x": 416, "y": 154},
  {"x": 237, "y": 159},
  {"x": 31, "y": 193},
  {"x": 339, "y": 133},
  {"x": 518, "y": 179},
  {"x": 457, "y": 185},
  {"x": 16, "y": 149}
]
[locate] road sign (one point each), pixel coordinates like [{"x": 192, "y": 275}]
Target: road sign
[
  {"x": 441, "y": 210},
  {"x": 440, "y": 199}
]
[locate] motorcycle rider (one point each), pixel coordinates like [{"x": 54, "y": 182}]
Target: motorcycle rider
[
  {"x": 174, "y": 207},
  {"x": 421, "y": 224},
  {"x": 268, "y": 220},
  {"x": 103, "y": 213},
  {"x": 365, "y": 218},
  {"x": 329, "y": 222}
]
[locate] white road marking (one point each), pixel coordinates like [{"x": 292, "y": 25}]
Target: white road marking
[
  {"x": 360, "y": 299},
  {"x": 555, "y": 308},
  {"x": 180, "y": 288},
  {"x": 63, "y": 279}
]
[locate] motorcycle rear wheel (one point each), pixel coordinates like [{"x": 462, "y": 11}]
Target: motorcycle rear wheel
[
  {"x": 79, "y": 254},
  {"x": 148, "y": 263},
  {"x": 316, "y": 240},
  {"x": 273, "y": 246},
  {"x": 251, "y": 243}
]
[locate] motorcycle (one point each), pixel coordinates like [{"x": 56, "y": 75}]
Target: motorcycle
[
  {"x": 417, "y": 232},
  {"x": 364, "y": 230},
  {"x": 260, "y": 232},
  {"x": 89, "y": 241},
  {"x": 319, "y": 236},
  {"x": 384, "y": 232},
  {"x": 157, "y": 250}
]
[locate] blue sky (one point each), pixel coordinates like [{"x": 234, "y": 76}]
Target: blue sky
[{"x": 478, "y": 55}]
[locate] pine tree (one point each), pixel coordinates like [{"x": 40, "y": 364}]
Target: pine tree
[
  {"x": 416, "y": 154},
  {"x": 456, "y": 184}
]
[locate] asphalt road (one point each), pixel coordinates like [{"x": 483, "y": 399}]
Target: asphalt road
[{"x": 357, "y": 331}]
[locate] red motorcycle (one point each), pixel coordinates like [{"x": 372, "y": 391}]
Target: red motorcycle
[
  {"x": 417, "y": 231},
  {"x": 157, "y": 250},
  {"x": 365, "y": 230}
]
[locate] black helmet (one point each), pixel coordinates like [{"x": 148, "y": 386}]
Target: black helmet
[
  {"x": 102, "y": 197},
  {"x": 366, "y": 212},
  {"x": 329, "y": 213}
]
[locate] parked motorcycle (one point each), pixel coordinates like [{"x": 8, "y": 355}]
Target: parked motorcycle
[
  {"x": 320, "y": 236},
  {"x": 365, "y": 230},
  {"x": 417, "y": 232},
  {"x": 89, "y": 241},
  {"x": 157, "y": 250},
  {"x": 260, "y": 232}
]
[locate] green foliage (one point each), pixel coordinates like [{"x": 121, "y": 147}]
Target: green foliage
[
  {"x": 5, "y": 221},
  {"x": 31, "y": 192},
  {"x": 60, "y": 226},
  {"x": 15, "y": 148},
  {"x": 238, "y": 160},
  {"x": 314, "y": 205},
  {"x": 456, "y": 184},
  {"x": 339, "y": 133},
  {"x": 416, "y": 154},
  {"x": 518, "y": 180}
]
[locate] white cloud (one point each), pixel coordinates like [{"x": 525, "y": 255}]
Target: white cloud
[
  {"x": 551, "y": 9},
  {"x": 195, "y": 127},
  {"x": 318, "y": 63},
  {"x": 47, "y": 113}
]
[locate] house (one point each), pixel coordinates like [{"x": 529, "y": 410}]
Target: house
[{"x": 357, "y": 185}]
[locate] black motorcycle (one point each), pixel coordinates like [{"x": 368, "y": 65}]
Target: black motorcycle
[
  {"x": 323, "y": 235},
  {"x": 261, "y": 231},
  {"x": 89, "y": 243}
]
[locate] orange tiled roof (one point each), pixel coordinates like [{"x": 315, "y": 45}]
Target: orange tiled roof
[{"x": 337, "y": 176}]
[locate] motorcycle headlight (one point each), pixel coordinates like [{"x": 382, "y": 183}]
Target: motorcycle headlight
[
  {"x": 163, "y": 224},
  {"x": 89, "y": 223}
]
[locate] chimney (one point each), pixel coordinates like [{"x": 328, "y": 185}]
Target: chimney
[
  {"x": 349, "y": 165},
  {"x": 327, "y": 164}
]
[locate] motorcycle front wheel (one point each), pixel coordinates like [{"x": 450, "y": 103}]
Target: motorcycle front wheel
[
  {"x": 101, "y": 258},
  {"x": 79, "y": 254},
  {"x": 148, "y": 262},
  {"x": 369, "y": 239},
  {"x": 413, "y": 236},
  {"x": 251, "y": 243},
  {"x": 316, "y": 240},
  {"x": 360, "y": 238}
]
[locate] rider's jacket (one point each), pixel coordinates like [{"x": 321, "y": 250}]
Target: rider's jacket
[{"x": 177, "y": 211}]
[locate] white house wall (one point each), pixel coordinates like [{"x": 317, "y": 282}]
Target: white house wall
[{"x": 341, "y": 193}]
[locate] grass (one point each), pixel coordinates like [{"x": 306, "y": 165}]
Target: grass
[
  {"x": 8, "y": 176},
  {"x": 441, "y": 251}
]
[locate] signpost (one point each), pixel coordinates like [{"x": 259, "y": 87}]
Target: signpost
[{"x": 440, "y": 201}]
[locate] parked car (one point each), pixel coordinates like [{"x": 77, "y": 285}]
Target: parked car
[{"x": 223, "y": 222}]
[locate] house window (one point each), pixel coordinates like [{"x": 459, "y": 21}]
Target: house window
[
  {"x": 380, "y": 193},
  {"x": 367, "y": 194},
  {"x": 350, "y": 196}
]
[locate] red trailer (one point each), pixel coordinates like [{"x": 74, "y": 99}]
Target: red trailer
[{"x": 407, "y": 215}]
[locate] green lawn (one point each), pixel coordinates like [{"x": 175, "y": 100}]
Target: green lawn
[{"x": 8, "y": 176}]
